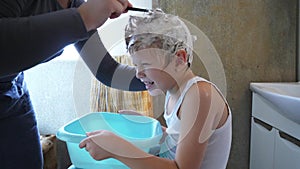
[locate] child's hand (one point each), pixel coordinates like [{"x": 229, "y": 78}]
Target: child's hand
[
  {"x": 104, "y": 144},
  {"x": 97, "y": 144},
  {"x": 130, "y": 112},
  {"x": 164, "y": 134}
]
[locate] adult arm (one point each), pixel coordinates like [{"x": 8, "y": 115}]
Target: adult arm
[
  {"x": 104, "y": 67},
  {"x": 26, "y": 41}
]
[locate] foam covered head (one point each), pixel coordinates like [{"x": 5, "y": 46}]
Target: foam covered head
[{"x": 160, "y": 30}]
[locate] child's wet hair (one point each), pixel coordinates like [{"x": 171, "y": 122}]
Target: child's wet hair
[{"x": 157, "y": 29}]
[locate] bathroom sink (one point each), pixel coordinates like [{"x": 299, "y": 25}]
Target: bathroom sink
[{"x": 285, "y": 96}]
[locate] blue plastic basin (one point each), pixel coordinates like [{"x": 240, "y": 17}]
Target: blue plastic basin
[{"x": 144, "y": 132}]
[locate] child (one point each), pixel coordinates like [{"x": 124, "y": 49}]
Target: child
[{"x": 197, "y": 115}]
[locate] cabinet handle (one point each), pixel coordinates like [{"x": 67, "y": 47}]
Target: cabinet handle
[
  {"x": 289, "y": 138},
  {"x": 264, "y": 124}
]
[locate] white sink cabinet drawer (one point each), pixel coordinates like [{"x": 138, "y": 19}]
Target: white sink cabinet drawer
[
  {"x": 262, "y": 145},
  {"x": 287, "y": 151}
]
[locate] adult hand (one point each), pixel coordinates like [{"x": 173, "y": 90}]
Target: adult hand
[
  {"x": 64, "y": 3},
  {"x": 94, "y": 13}
]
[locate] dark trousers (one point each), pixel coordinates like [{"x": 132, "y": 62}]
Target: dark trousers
[{"x": 19, "y": 137}]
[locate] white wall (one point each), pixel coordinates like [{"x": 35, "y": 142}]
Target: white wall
[{"x": 51, "y": 88}]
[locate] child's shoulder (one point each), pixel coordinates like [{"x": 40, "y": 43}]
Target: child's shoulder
[
  {"x": 202, "y": 87},
  {"x": 198, "y": 92}
]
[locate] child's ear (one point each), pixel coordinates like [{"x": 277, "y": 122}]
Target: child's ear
[{"x": 181, "y": 56}]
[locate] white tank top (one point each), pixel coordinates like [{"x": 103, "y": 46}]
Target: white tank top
[{"x": 219, "y": 144}]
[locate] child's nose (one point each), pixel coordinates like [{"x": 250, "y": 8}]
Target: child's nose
[{"x": 140, "y": 74}]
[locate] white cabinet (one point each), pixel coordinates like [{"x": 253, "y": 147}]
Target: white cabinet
[
  {"x": 287, "y": 151},
  {"x": 262, "y": 145},
  {"x": 275, "y": 140}
]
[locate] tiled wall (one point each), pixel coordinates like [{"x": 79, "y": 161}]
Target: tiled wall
[{"x": 256, "y": 41}]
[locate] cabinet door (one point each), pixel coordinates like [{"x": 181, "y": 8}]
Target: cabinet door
[
  {"x": 261, "y": 145},
  {"x": 287, "y": 152}
]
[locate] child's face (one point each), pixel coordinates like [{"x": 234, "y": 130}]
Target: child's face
[{"x": 152, "y": 69}]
